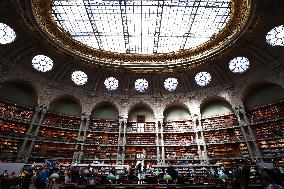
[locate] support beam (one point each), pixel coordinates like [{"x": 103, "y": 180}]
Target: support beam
[
  {"x": 122, "y": 4},
  {"x": 160, "y": 7}
]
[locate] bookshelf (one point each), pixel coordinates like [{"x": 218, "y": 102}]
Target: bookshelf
[
  {"x": 63, "y": 152},
  {"x": 147, "y": 154},
  {"x": 266, "y": 113},
  {"x": 16, "y": 112},
  {"x": 57, "y": 135},
  {"x": 97, "y": 125},
  {"x": 178, "y": 153},
  {"x": 140, "y": 143},
  {"x": 267, "y": 124},
  {"x": 61, "y": 121},
  {"x": 219, "y": 122},
  {"x": 100, "y": 153},
  {"x": 178, "y": 126},
  {"x": 10, "y": 147},
  {"x": 13, "y": 129}
]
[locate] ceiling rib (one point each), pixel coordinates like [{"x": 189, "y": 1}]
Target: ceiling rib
[
  {"x": 158, "y": 25},
  {"x": 122, "y": 5}
]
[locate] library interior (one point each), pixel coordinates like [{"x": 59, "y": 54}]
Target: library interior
[{"x": 202, "y": 107}]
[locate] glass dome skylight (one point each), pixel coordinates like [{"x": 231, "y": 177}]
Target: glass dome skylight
[
  {"x": 42, "y": 63},
  {"x": 275, "y": 37},
  {"x": 7, "y": 34},
  {"x": 145, "y": 27},
  {"x": 239, "y": 64},
  {"x": 171, "y": 84},
  {"x": 202, "y": 78},
  {"x": 141, "y": 85},
  {"x": 111, "y": 83},
  {"x": 79, "y": 77}
]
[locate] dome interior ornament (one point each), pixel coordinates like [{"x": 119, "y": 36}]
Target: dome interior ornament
[{"x": 133, "y": 34}]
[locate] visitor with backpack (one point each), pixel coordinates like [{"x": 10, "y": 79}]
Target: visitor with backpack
[{"x": 41, "y": 178}]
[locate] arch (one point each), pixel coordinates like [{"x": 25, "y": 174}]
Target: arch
[
  {"x": 19, "y": 92},
  {"x": 176, "y": 112},
  {"x": 66, "y": 104},
  {"x": 214, "y": 106},
  {"x": 262, "y": 93},
  {"x": 105, "y": 110},
  {"x": 141, "y": 109}
]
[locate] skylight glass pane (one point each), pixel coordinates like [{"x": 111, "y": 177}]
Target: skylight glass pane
[
  {"x": 133, "y": 26},
  {"x": 239, "y": 64},
  {"x": 171, "y": 84},
  {"x": 79, "y": 77},
  {"x": 141, "y": 85},
  {"x": 42, "y": 63},
  {"x": 275, "y": 37},
  {"x": 111, "y": 83},
  {"x": 7, "y": 34},
  {"x": 203, "y": 78}
]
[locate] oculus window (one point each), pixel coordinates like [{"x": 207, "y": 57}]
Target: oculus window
[
  {"x": 171, "y": 84},
  {"x": 111, "y": 83},
  {"x": 239, "y": 64},
  {"x": 141, "y": 85},
  {"x": 79, "y": 77},
  {"x": 42, "y": 63},
  {"x": 203, "y": 78},
  {"x": 7, "y": 34},
  {"x": 144, "y": 27},
  {"x": 275, "y": 37}
]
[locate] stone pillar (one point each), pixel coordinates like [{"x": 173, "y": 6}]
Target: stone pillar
[
  {"x": 82, "y": 134},
  {"x": 121, "y": 139},
  {"x": 200, "y": 141},
  {"x": 31, "y": 134},
  {"x": 160, "y": 140}
]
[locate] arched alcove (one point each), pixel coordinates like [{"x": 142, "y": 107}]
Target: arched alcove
[
  {"x": 68, "y": 105},
  {"x": 18, "y": 92},
  {"x": 176, "y": 112},
  {"x": 260, "y": 94},
  {"x": 106, "y": 111},
  {"x": 215, "y": 106},
  {"x": 140, "y": 112}
]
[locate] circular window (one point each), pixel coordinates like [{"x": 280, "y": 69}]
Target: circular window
[
  {"x": 171, "y": 84},
  {"x": 203, "y": 78},
  {"x": 7, "y": 34},
  {"x": 42, "y": 63},
  {"x": 141, "y": 85},
  {"x": 239, "y": 64},
  {"x": 111, "y": 83},
  {"x": 79, "y": 77},
  {"x": 275, "y": 37}
]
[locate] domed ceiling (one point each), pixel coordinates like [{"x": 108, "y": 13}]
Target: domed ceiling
[{"x": 168, "y": 32}]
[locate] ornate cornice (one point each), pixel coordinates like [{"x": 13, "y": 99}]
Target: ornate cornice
[{"x": 239, "y": 20}]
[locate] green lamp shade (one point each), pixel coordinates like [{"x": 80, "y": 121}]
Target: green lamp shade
[
  {"x": 167, "y": 177},
  {"x": 110, "y": 177},
  {"x": 223, "y": 177},
  {"x": 54, "y": 176},
  {"x": 252, "y": 170},
  {"x": 157, "y": 172}
]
